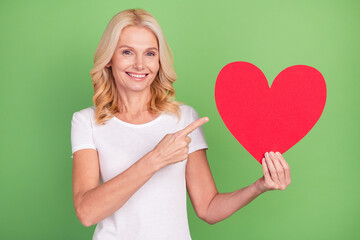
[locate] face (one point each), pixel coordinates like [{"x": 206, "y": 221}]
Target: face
[{"x": 135, "y": 62}]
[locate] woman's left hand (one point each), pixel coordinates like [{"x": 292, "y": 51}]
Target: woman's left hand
[{"x": 276, "y": 173}]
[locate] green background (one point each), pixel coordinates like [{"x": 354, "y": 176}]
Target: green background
[{"x": 47, "y": 50}]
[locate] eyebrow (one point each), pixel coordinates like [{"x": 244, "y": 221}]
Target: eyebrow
[{"x": 126, "y": 46}]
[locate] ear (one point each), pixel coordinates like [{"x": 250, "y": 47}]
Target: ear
[{"x": 108, "y": 65}]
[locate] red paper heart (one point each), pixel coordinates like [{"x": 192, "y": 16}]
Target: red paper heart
[{"x": 267, "y": 119}]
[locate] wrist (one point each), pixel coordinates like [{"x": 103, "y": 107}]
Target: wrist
[
  {"x": 258, "y": 187},
  {"x": 152, "y": 159}
]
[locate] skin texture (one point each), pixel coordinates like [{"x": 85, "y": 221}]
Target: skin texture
[{"x": 137, "y": 52}]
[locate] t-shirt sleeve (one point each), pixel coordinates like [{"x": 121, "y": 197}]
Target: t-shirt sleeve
[
  {"x": 81, "y": 132},
  {"x": 197, "y": 136}
]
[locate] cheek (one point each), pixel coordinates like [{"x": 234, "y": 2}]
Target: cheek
[
  {"x": 154, "y": 66},
  {"x": 122, "y": 63}
]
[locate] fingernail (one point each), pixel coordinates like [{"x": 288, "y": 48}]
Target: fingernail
[
  {"x": 266, "y": 154},
  {"x": 278, "y": 153},
  {"x": 263, "y": 160},
  {"x": 272, "y": 153}
]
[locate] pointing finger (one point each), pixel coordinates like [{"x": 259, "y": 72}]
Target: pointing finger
[{"x": 192, "y": 126}]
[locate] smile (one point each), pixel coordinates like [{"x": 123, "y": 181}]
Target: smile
[{"x": 137, "y": 76}]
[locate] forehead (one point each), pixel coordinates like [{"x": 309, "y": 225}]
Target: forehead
[{"x": 138, "y": 37}]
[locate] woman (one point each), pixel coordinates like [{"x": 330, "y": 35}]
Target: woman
[{"x": 143, "y": 147}]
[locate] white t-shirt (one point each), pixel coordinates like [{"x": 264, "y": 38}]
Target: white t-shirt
[{"x": 158, "y": 209}]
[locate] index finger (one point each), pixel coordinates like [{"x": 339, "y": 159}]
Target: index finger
[{"x": 194, "y": 125}]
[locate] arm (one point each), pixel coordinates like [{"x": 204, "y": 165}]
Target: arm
[
  {"x": 213, "y": 207},
  {"x": 95, "y": 202}
]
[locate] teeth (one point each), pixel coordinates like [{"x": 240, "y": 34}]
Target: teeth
[{"x": 136, "y": 75}]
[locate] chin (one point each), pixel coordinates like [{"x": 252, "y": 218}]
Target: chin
[
  {"x": 135, "y": 86},
  {"x": 139, "y": 88}
]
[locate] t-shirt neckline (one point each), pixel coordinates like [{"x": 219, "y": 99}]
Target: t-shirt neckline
[{"x": 140, "y": 125}]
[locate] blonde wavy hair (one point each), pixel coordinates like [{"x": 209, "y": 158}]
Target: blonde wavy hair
[{"x": 106, "y": 98}]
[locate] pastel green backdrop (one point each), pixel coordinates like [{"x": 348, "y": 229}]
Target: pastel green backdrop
[{"x": 47, "y": 50}]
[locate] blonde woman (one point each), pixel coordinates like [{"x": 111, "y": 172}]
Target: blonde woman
[{"x": 136, "y": 151}]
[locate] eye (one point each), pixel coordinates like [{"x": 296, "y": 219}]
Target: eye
[
  {"x": 126, "y": 52},
  {"x": 150, "y": 54}
]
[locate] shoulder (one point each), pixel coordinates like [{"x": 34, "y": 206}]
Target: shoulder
[
  {"x": 186, "y": 109},
  {"x": 86, "y": 113},
  {"x": 188, "y": 113}
]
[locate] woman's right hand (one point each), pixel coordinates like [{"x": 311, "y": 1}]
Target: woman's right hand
[{"x": 174, "y": 147}]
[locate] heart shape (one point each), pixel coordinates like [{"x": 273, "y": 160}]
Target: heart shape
[{"x": 265, "y": 119}]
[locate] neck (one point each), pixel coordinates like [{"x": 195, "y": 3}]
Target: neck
[{"x": 133, "y": 103}]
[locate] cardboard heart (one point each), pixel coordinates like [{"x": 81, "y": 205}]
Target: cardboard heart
[{"x": 265, "y": 119}]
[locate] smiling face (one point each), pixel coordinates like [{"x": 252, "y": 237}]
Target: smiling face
[{"x": 135, "y": 62}]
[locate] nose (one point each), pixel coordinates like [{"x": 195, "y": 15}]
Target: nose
[{"x": 139, "y": 65}]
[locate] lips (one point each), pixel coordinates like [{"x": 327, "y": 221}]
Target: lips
[{"x": 137, "y": 76}]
